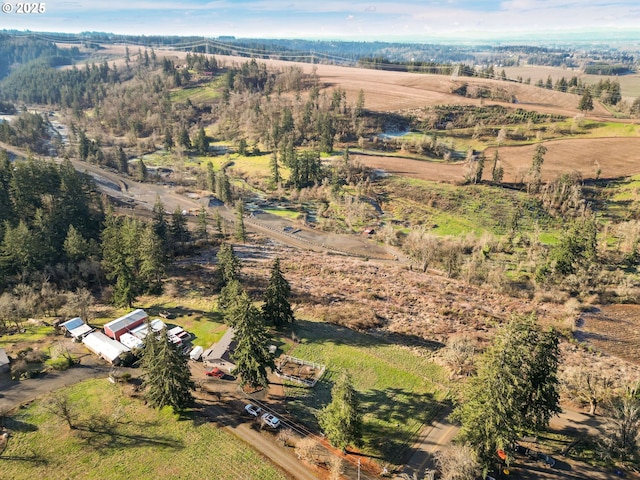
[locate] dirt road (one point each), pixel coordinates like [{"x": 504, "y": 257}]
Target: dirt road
[{"x": 438, "y": 435}]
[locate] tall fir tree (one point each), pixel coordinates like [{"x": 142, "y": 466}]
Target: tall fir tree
[
  {"x": 341, "y": 420},
  {"x": 515, "y": 391},
  {"x": 202, "y": 224},
  {"x": 251, "y": 354},
  {"x": 168, "y": 377},
  {"x": 276, "y": 308},
  {"x": 228, "y": 264}
]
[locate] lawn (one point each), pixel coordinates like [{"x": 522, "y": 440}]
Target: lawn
[
  {"x": 399, "y": 388},
  {"x": 118, "y": 437}
]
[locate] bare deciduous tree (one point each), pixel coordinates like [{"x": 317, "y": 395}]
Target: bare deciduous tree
[
  {"x": 458, "y": 463},
  {"x": 61, "y": 406},
  {"x": 459, "y": 355},
  {"x": 589, "y": 387}
]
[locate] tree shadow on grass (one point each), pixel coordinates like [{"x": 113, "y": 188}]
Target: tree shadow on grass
[
  {"x": 103, "y": 434},
  {"x": 33, "y": 459},
  {"x": 396, "y": 417},
  {"x": 14, "y": 424},
  {"x": 321, "y": 332}
]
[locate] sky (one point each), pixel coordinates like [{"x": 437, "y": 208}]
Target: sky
[{"x": 405, "y": 20}]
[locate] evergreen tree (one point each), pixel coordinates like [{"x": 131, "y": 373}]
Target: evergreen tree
[
  {"x": 586, "y": 102},
  {"x": 178, "y": 228},
  {"x": 242, "y": 147},
  {"x": 120, "y": 258},
  {"x": 275, "y": 169},
  {"x": 168, "y": 141},
  {"x": 183, "y": 138},
  {"x": 152, "y": 260},
  {"x": 228, "y": 264},
  {"x": 241, "y": 232},
  {"x": 341, "y": 420},
  {"x": 202, "y": 142},
  {"x": 515, "y": 391},
  {"x": 223, "y": 187},
  {"x": 217, "y": 221},
  {"x": 143, "y": 173},
  {"x": 76, "y": 248},
  {"x": 497, "y": 172},
  {"x": 168, "y": 378},
  {"x": 229, "y": 296},
  {"x": 535, "y": 172},
  {"x": 251, "y": 356},
  {"x": 160, "y": 226},
  {"x": 121, "y": 160},
  {"x": 211, "y": 177},
  {"x": 202, "y": 224},
  {"x": 276, "y": 308}
]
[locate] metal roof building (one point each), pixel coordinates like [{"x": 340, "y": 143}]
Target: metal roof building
[
  {"x": 76, "y": 327},
  {"x": 124, "y": 324},
  {"x": 104, "y": 346}
]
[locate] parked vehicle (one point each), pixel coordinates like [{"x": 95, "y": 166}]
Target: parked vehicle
[
  {"x": 253, "y": 410},
  {"x": 215, "y": 372},
  {"x": 543, "y": 457},
  {"x": 271, "y": 420}
]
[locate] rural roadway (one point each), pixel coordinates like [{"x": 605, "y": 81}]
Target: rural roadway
[{"x": 438, "y": 436}]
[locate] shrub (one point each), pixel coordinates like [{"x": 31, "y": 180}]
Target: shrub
[{"x": 59, "y": 363}]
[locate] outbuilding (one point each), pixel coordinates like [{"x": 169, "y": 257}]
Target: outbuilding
[
  {"x": 76, "y": 328},
  {"x": 124, "y": 324},
  {"x": 105, "y": 347}
]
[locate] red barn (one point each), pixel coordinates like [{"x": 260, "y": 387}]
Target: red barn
[{"x": 124, "y": 324}]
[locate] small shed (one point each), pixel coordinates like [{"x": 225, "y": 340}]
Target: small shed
[
  {"x": 196, "y": 353},
  {"x": 105, "y": 347},
  {"x": 76, "y": 327},
  {"x": 124, "y": 324},
  {"x": 131, "y": 341},
  {"x": 4, "y": 361},
  {"x": 219, "y": 355}
]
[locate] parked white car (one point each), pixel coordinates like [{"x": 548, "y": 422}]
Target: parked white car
[
  {"x": 253, "y": 410},
  {"x": 271, "y": 420}
]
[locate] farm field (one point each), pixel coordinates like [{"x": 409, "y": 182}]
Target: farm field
[
  {"x": 400, "y": 387},
  {"x": 629, "y": 84},
  {"x": 614, "y": 329},
  {"x": 387, "y": 91},
  {"x": 615, "y": 157},
  {"x": 118, "y": 437}
]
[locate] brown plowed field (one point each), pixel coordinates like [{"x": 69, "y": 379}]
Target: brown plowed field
[
  {"x": 395, "y": 91},
  {"x": 616, "y": 157},
  {"x": 614, "y": 329}
]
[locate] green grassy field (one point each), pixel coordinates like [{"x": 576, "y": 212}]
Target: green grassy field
[
  {"x": 199, "y": 94},
  {"x": 118, "y": 437},
  {"x": 31, "y": 334},
  {"x": 452, "y": 210},
  {"x": 399, "y": 388}
]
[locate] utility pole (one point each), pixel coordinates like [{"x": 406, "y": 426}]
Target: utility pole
[{"x": 358, "y": 469}]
